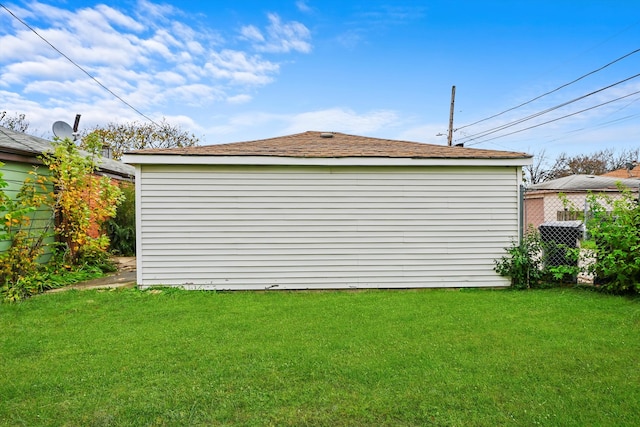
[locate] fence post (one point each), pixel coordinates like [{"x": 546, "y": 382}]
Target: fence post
[{"x": 586, "y": 217}]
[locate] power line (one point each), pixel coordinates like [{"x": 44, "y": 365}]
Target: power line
[
  {"x": 79, "y": 67},
  {"x": 487, "y": 132},
  {"x": 612, "y": 121},
  {"x": 596, "y": 126},
  {"x": 556, "y": 119},
  {"x": 552, "y": 91}
]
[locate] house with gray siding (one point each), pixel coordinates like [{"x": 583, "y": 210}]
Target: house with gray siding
[{"x": 324, "y": 210}]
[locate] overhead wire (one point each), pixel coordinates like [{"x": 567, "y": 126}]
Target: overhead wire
[
  {"x": 551, "y": 91},
  {"x": 487, "y": 132},
  {"x": 556, "y": 119},
  {"x": 606, "y": 123},
  {"x": 601, "y": 124},
  {"x": 78, "y": 66}
]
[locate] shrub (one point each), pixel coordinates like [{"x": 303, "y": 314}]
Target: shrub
[
  {"x": 615, "y": 228},
  {"x": 83, "y": 200},
  {"x": 19, "y": 261},
  {"x": 524, "y": 262},
  {"x": 121, "y": 229},
  {"x": 93, "y": 253}
]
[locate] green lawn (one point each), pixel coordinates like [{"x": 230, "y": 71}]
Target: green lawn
[{"x": 431, "y": 357}]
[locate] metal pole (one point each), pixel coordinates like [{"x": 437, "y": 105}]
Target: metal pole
[
  {"x": 453, "y": 99},
  {"x": 585, "y": 233}
]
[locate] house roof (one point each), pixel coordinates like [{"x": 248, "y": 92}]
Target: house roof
[
  {"x": 314, "y": 144},
  {"x": 21, "y": 144},
  {"x": 585, "y": 183},
  {"x": 624, "y": 173}
]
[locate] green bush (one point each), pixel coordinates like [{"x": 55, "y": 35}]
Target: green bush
[
  {"x": 611, "y": 254},
  {"x": 94, "y": 254},
  {"x": 55, "y": 274},
  {"x": 122, "y": 228},
  {"x": 45, "y": 277},
  {"x": 615, "y": 228},
  {"x": 524, "y": 262},
  {"x": 26, "y": 243}
]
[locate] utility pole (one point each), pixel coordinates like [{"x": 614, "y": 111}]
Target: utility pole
[{"x": 453, "y": 99}]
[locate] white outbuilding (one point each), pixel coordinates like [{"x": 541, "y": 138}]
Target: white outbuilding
[{"x": 324, "y": 210}]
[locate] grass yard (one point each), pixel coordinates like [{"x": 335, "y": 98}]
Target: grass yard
[{"x": 372, "y": 358}]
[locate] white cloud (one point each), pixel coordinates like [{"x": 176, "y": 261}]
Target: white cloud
[
  {"x": 240, "y": 68},
  {"x": 432, "y": 134},
  {"x": 61, "y": 91},
  {"x": 154, "y": 56},
  {"x": 193, "y": 95},
  {"x": 171, "y": 78},
  {"x": 22, "y": 44},
  {"x": 53, "y": 14},
  {"x": 44, "y": 68},
  {"x": 341, "y": 120},
  {"x": 282, "y": 37},
  {"x": 119, "y": 18},
  {"x": 158, "y": 12},
  {"x": 252, "y": 33},
  {"x": 194, "y": 47},
  {"x": 258, "y": 124},
  {"x": 303, "y": 6},
  {"x": 242, "y": 98}
]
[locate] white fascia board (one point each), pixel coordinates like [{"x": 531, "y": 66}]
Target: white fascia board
[
  {"x": 138, "y": 211},
  {"x": 146, "y": 159}
]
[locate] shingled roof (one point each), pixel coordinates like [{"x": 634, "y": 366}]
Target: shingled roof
[
  {"x": 624, "y": 173},
  {"x": 585, "y": 183},
  {"x": 313, "y": 144},
  {"x": 31, "y": 147}
]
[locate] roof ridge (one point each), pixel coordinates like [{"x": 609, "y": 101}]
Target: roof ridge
[{"x": 333, "y": 144}]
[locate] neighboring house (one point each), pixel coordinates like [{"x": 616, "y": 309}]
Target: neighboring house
[
  {"x": 324, "y": 210},
  {"x": 20, "y": 154},
  {"x": 564, "y": 199},
  {"x": 632, "y": 171}
]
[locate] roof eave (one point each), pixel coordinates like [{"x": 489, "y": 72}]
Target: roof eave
[{"x": 165, "y": 159}]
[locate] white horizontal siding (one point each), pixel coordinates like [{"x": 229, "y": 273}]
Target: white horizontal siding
[{"x": 253, "y": 227}]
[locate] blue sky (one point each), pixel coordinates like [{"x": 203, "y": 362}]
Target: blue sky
[{"x": 242, "y": 70}]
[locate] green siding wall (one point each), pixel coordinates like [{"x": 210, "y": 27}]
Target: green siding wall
[{"x": 14, "y": 173}]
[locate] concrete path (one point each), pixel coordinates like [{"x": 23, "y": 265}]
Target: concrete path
[{"x": 125, "y": 277}]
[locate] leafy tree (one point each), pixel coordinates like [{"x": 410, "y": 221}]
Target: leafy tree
[
  {"x": 122, "y": 137},
  {"x": 83, "y": 200},
  {"x": 17, "y": 122}
]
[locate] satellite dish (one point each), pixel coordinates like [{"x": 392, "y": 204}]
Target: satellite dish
[{"x": 62, "y": 130}]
